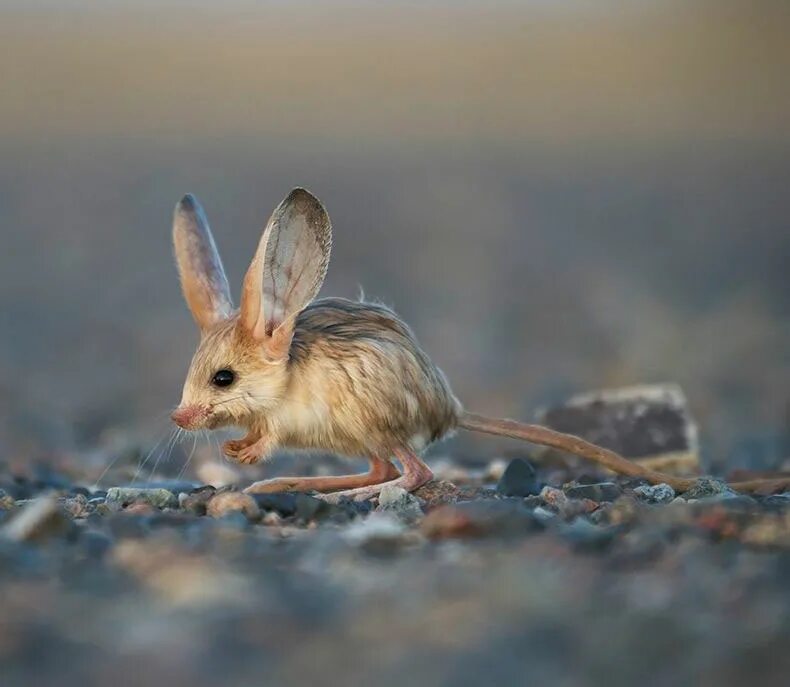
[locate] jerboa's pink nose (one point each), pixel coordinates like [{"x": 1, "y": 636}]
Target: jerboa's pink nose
[{"x": 185, "y": 417}]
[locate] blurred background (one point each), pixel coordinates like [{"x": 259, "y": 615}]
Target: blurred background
[{"x": 557, "y": 196}]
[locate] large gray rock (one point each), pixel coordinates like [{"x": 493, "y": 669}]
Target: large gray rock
[{"x": 650, "y": 423}]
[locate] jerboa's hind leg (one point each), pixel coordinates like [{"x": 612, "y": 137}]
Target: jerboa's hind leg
[
  {"x": 415, "y": 474},
  {"x": 380, "y": 471}
]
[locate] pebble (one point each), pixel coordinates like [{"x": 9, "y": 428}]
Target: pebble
[
  {"x": 156, "y": 497},
  {"x": 705, "y": 487},
  {"x": 544, "y": 514},
  {"x": 227, "y": 502},
  {"x": 18, "y": 488},
  {"x": 78, "y": 506},
  {"x": 379, "y": 533},
  {"x": 567, "y": 508},
  {"x": 95, "y": 544},
  {"x": 308, "y": 508},
  {"x": 623, "y": 511},
  {"x": 272, "y": 519},
  {"x": 553, "y": 497},
  {"x": 585, "y": 536},
  {"x": 657, "y": 493},
  {"x": 776, "y": 501},
  {"x": 505, "y": 517},
  {"x": 601, "y": 491},
  {"x": 518, "y": 479},
  {"x": 126, "y": 525},
  {"x": 438, "y": 492},
  {"x": 282, "y": 504},
  {"x": 399, "y": 502},
  {"x": 37, "y": 520},
  {"x": 195, "y": 501},
  {"x": 7, "y": 502}
]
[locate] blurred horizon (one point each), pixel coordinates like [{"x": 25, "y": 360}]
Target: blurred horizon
[{"x": 556, "y": 198}]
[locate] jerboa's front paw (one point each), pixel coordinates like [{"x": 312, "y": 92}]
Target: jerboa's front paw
[{"x": 243, "y": 451}]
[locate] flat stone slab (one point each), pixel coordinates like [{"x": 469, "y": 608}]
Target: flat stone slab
[{"x": 649, "y": 423}]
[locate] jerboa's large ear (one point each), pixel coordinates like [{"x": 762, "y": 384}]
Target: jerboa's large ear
[
  {"x": 287, "y": 270},
  {"x": 203, "y": 279}
]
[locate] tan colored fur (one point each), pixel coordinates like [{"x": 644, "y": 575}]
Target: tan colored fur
[{"x": 355, "y": 382}]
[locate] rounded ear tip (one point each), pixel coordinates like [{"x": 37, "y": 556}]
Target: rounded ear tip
[
  {"x": 187, "y": 203},
  {"x": 300, "y": 194},
  {"x": 302, "y": 201}
]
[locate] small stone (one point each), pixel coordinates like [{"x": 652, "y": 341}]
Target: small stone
[
  {"x": 602, "y": 491},
  {"x": 95, "y": 544},
  {"x": 181, "y": 578},
  {"x": 37, "y": 520},
  {"x": 195, "y": 501},
  {"x": 77, "y": 506},
  {"x": 576, "y": 507},
  {"x": 101, "y": 508},
  {"x": 399, "y": 502},
  {"x": 379, "y": 533},
  {"x": 554, "y": 497},
  {"x": 771, "y": 530},
  {"x": 310, "y": 508},
  {"x": 282, "y": 504},
  {"x": 506, "y": 517},
  {"x": 126, "y": 525},
  {"x": 438, "y": 492},
  {"x": 544, "y": 514},
  {"x": 656, "y": 493},
  {"x": 18, "y": 488},
  {"x": 518, "y": 479},
  {"x": 233, "y": 501},
  {"x": 623, "y": 511},
  {"x": 776, "y": 501},
  {"x": 174, "y": 486},
  {"x": 272, "y": 519},
  {"x": 585, "y": 536},
  {"x": 7, "y": 502},
  {"x": 232, "y": 523},
  {"x": 157, "y": 497},
  {"x": 139, "y": 508},
  {"x": 706, "y": 487},
  {"x": 601, "y": 514}
]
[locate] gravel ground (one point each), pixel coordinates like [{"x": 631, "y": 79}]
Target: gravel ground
[{"x": 480, "y": 582}]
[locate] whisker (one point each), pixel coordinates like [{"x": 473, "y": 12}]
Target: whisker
[
  {"x": 189, "y": 459},
  {"x": 106, "y": 470},
  {"x": 142, "y": 465},
  {"x": 166, "y": 452}
]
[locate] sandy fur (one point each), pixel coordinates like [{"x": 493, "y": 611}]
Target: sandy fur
[{"x": 355, "y": 382}]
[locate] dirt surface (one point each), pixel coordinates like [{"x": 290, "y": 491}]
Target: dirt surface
[{"x": 598, "y": 582}]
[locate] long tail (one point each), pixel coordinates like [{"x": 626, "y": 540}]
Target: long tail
[{"x": 569, "y": 443}]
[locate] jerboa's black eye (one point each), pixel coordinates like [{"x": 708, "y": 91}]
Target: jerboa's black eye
[{"x": 223, "y": 378}]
